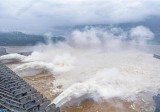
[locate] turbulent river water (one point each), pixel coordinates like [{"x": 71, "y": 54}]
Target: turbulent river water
[{"x": 95, "y": 75}]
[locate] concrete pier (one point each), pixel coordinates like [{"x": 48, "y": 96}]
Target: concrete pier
[
  {"x": 156, "y": 56},
  {"x": 157, "y": 102},
  {"x": 3, "y": 51},
  {"x": 16, "y": 95}
]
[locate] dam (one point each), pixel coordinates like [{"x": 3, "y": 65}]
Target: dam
[
  {"x": 16, "y": 95},
  {"x": 3, "y": 51},
  {"x": 156, "y": 56}
]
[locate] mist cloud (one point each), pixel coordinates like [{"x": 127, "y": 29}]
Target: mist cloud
[
  {"x": 141, "y": 34},
  {"x": 43, "y": 15},
  {"x": 97, "y": 64}
]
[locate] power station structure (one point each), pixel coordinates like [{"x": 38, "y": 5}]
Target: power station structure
[
  {"x": 156, "y": 56},
  {"x": 16, "y": 95},
  {"x": 3, "y": 51}
]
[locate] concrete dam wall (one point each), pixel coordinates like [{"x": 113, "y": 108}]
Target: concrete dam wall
[{"x": 16, "y": 95}]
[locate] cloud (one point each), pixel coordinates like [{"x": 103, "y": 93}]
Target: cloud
[{"x": 43, "y": 15}]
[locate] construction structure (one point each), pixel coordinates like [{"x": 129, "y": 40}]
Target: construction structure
[
  {"x": 156, "y": 56},
  {"x": 157, "y": 102},
  {"x": 3, "y": 51},
  {"x": 16, "y": 95}
]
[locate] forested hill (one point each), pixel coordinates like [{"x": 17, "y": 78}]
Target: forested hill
[{"x": 22, "y": 39}]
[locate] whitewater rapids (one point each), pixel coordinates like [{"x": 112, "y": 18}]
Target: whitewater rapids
[
  {"x": 99, "y": 65},
  {"x": 122, "y": 76},
  {"x": 12, "y": 58}
]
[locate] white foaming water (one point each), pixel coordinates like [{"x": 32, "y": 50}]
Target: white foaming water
[
  {"x": 33, "y": 68},
  {"x": 9, "y": 58},
  {"x": 97, "y": 64},
  {"x": 134, "y": 73},
  {"x": 39, "y": 62}
]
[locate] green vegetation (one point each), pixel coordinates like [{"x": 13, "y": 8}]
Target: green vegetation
[{"x": 22, "y": 39}]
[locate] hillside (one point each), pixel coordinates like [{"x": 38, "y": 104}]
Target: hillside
[{"x": 22, "y": 39}]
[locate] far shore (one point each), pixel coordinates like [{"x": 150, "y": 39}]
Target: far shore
[{"x": 15, "y": 49}]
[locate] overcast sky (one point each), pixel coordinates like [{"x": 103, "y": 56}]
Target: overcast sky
[{"x": 43, "y": 15}]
